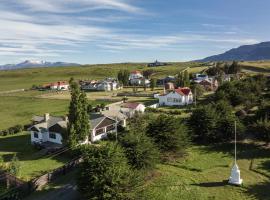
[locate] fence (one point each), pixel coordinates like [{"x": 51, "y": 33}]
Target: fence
[
  {"x": 22, "y": 189},
  {"x": 134, "y": 94}
]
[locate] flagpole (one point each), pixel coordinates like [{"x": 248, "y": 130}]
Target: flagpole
[{"x": 235, "y": 142}]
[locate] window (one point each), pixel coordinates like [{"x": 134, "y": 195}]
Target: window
[
  {"x": 52, "y": 136},
  {"x": 110, "y": 128},
  {"x": 169, "y": 99},
  {"x": 99, "y": 131},
  {"x": 35, "y": 135}
]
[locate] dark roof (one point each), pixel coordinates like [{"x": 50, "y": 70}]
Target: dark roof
[{"x": 96, "y": 119}]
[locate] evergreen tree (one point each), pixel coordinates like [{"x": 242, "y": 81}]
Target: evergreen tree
[
  {"x": 180, "y": 80},
  {"x": 153, "y": 83},
  {"x": 140, "y": 150},
  {"x": 168, "y": 134},
  {"x": 186, "y": 79},
  {"x": 78, "y": 125},
  {"x": 234, "y": 68},
  {"x": 105, "y": 174},
  {"x": 123, "y": 77}
]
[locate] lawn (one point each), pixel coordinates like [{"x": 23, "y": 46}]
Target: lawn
[
  {"x": 19, "y": 108},
  {"x": 204, "y": 175},
  {"x": 32, "y": 162},
  {"x": 25, "y": 78}
]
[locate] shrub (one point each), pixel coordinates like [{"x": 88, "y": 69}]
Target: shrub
[
  {"x": 168, "y": 134},
  {"x": 140, "y": 150},
  {"x": 105, "y": 174}
]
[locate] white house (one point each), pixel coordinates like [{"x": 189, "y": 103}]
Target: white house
[
  {"x": 135, "y": 75},
  {"x": 49, "y": 129},
  {"x": 60, "y": 85},
  {"x": 108, "y": 84},
  {"x": 178, "y": 97},
  {"x": 129, "y": 109},
  {"x": 101, "y": 125}
]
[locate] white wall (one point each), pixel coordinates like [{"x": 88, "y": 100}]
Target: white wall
[
  {"x": 44, "y": 137},
  {"x": 175, "y": 99}
]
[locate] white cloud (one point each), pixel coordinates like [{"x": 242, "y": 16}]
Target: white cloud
[
  {"x": 49, "y": 28},
  {"x": 72, "y": 6}
]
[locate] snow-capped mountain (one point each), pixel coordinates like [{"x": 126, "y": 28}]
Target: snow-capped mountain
[{"x": 35, "y": 63}]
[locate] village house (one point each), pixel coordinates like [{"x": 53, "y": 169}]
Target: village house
[
  {"x": 208, "y": 83},
  {"x": 50, "y": 131},
  {"x": 108, "y": 84},
  {"x": 129, "y": 109},
  {"x": 60, "y": 85},
  {"x": 136, "y": 78},
  {"x": 168, "y": 79},
  {"x": 169, "y": 86},
  {"x": 177, "y": 97}
]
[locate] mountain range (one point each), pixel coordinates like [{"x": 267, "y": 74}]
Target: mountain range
[
  {"x": 34, "y": 64},
  {"x": 252, "y": 52}
]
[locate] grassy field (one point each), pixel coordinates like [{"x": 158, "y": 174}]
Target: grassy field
[
  {"x": 205, "y": 172},
  {"x": 203, "y": 175},
  {"x": 256, "y": 66},
  {"x": 32, "y": 163},
  {"x": 25, "y": 78}
]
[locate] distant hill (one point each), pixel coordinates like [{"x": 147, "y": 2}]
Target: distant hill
[
  {"x": 33, "y": 64},
  {"x": 253, "y": 52}
]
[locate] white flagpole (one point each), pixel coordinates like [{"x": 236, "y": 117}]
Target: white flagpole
[{"x": 235, "y": 141}]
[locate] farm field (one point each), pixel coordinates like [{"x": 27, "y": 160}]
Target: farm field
[
  {"x": 25, "y": 78},
  {"x": 32, "y": 163},
  {"x": 205, "y": 172},
  {"x": 19, "y": 107}
]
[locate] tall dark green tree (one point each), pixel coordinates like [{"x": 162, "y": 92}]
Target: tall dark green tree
[
  {"x": 105, "y": 174},
  {"x": 153, "y": 83},
  {"x": 168, "y": 134},
  {"x": 123, "y": 77},
  {"x": 179, "y": 80},
  {"x": 234, "y": 68},
  {"x": 186, "y": 79},
  {"x": 78, "y": 125},
  {"x": 140, "y": 150}
]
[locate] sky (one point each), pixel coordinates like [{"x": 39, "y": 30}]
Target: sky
[{"x": 114, "y": 31}]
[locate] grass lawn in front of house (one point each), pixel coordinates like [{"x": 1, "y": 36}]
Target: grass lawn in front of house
[
  {"x": 32, "y": 162},
  {"x": 204, "y": 174}
]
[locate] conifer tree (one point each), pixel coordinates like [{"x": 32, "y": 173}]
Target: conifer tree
[{"x": 78, "y": 126}]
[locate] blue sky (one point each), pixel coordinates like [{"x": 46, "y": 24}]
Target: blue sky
[{"x": 109, "y": 31}]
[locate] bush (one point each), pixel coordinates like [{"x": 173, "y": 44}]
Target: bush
[
  {"x": 170, "y": 112},
  {"x": 12, "y": 130},
  {"x": 262, "y": 129},
  {"x": 105, "y": 174},
  {"x": 214, "y": 123},
  {"x": 140, "y": 150},
  {"x": 168, "y": 134}
]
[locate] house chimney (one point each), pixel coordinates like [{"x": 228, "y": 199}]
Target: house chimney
[{"x": 46, "y": 117}]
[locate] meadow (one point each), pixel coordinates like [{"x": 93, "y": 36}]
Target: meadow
[
  {"x": 19, "y": 107},
  {"x": 204, "y": 174},
  {"x": 32, "y": 164}
]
